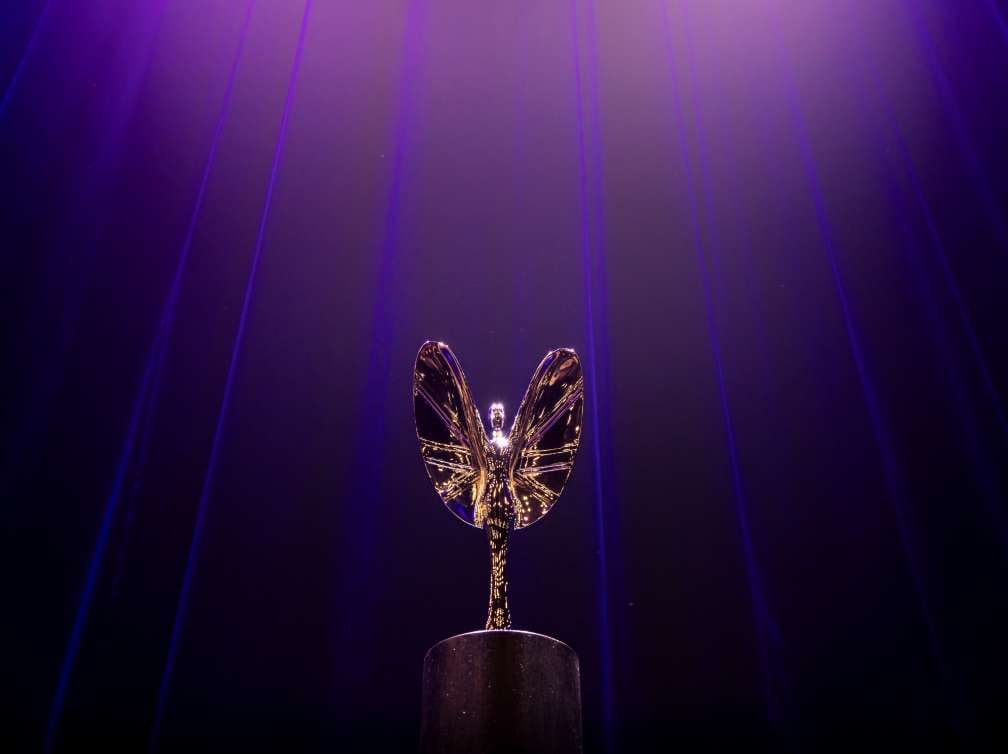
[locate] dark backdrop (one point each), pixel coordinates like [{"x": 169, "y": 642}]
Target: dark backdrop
[{"x": 776, "y": 232}]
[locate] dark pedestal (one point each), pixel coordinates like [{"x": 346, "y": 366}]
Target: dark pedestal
[{"x": 490, "y": 692}]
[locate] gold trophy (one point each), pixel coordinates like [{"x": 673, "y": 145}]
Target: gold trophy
[{"x": 498, "y": 482}]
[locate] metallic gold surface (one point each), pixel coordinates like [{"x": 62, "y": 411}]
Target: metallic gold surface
[{"x": 500, "y": 482}]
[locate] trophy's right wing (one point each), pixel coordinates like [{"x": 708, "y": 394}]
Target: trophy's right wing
[
  {"x": 545, "y": 435},
  {"x": 450, "y": 430}
]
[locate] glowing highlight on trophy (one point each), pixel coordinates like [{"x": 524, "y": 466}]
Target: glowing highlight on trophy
[{"x": 497, "y": 436}]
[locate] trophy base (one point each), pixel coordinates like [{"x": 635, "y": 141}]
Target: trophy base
[{"x": 501, "y": 691}]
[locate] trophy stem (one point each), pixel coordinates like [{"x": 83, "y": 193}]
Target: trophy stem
[{"x": 499, "y": 616}]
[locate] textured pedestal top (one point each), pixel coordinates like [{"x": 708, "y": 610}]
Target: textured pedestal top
[{"x": 501, "y": 691}]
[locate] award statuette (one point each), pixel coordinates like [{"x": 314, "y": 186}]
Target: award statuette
[{"x": 499, "y": 690}]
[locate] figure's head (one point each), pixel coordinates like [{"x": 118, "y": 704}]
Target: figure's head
[{"x": 497, "y": 416}]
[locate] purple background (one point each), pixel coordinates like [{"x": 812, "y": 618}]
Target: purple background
[{"x": 775, "y": 231}]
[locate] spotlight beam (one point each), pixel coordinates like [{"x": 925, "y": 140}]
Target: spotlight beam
[
  {"x": 190, "y": 570},
  {"x": 591, "y": 362},
  {"x": 707, "y": 270},
  {"x": 29, "y": 48}
]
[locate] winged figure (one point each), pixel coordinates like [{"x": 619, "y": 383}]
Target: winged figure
[{"x": 501, "y": 481}]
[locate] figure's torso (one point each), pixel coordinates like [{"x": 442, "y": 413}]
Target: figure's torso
[{"x": 496, "y": 506}]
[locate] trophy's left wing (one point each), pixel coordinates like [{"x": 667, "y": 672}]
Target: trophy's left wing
[
  {"x": 451, "y": 433},
  {"x": 545, "y": 435}
]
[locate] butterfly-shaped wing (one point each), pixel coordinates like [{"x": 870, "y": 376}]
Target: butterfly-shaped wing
[
  {"x": 450, "y": 430},
  {"x": 545, "y": 435}
]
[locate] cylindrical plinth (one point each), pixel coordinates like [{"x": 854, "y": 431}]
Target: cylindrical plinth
[{"x": 490, "y": 692}]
